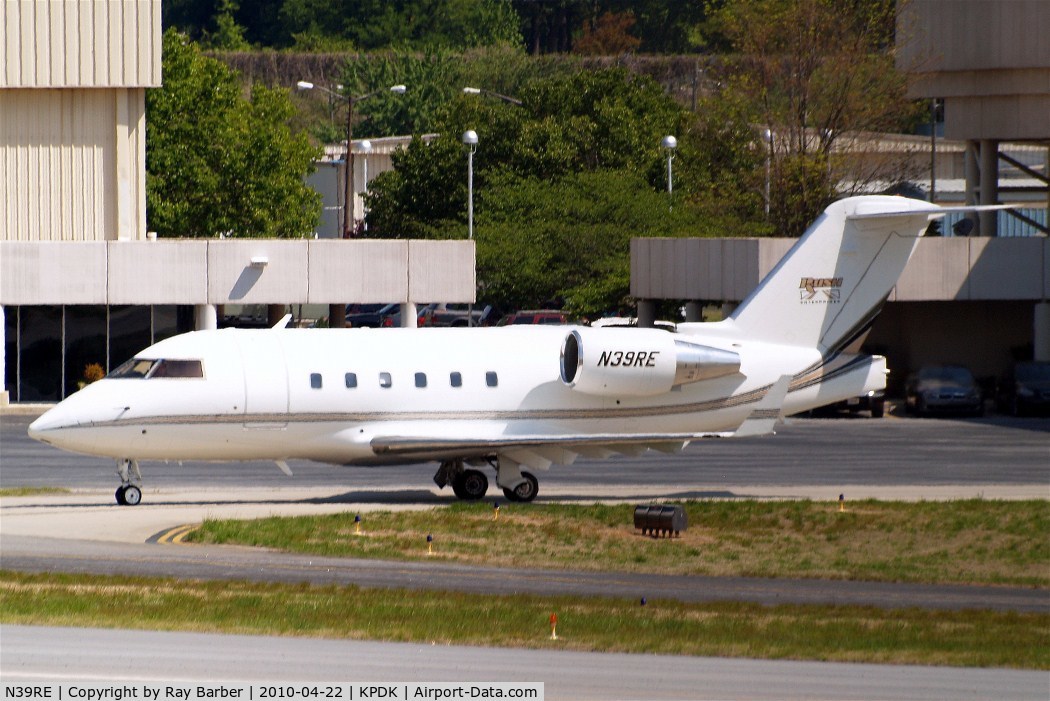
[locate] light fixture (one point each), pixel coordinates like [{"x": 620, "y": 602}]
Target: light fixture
[
  {"x": 259, "y": 261},
  {"x": 670, "y": 143}
]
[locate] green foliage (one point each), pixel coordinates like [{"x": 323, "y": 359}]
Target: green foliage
[
  {"x": 812, "y": 71},
  {"x": 228, "y": 35},
  {"x": 563, "y": 182},
  {"x": 431, "y": 80},
  {"x": 567, "y": 241},
  {"x": 217, "y": 163},
  {"x": 411, "y": 24}
]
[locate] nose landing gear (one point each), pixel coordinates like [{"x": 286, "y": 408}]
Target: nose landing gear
[{"x": 129, "y": 493}]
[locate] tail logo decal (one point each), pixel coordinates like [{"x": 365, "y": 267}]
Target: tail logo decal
[{"x": 820, "y": 290}]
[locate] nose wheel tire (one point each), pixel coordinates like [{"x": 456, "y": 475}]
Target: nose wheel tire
[
  {"x": 526, "y": 491},
  {"x": 129, "y": 495}
]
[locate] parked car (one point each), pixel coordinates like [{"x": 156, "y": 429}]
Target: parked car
[
  {"x": 393, "y": 320},
  {"x": 1025, "y": 389},
  {"x": 534, "y": 316},
  {"x": 456, "y": 315},
  {"x": 368, "y": 315},
  {"x": 943, "y": 389}
]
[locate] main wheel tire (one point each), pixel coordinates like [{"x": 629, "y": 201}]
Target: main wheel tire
[
  {"x": 470, "y": 485},
  {"x": 120, "y": 496},
  {"x": 526, "y": 491},
  {"x": 132, "y": 495}
]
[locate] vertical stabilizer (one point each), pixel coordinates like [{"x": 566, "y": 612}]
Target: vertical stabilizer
[{"x": 831, "y": 284}]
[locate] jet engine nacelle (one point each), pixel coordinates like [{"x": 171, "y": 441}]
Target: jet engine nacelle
[{"x": 638, "y": 362}]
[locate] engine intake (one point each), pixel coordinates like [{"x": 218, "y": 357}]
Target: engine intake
[{"x": 638, "y": 362}]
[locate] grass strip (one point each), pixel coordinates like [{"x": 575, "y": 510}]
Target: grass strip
[
  {"x": 31, "y": 491},
  {"x": 956, "y": 542},
  {"x": 834, "y": 633}
]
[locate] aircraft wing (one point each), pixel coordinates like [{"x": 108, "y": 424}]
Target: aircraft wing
[
  {"x": 554, "y": 448},
  {"x": 540, "y": 451}
]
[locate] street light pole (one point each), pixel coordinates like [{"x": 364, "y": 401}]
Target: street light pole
[
  {"x": 470, "y": 138},
  {"x": 767, "y": 136},
  {"x": 366, "y": 148},
  {"x": 348, "y": 191},
  {"x": 670, "y": 144},
  {"x": 483, "y": 91},
  {"x": 337, "y": 312}
]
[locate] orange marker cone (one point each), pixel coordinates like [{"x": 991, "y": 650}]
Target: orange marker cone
[{"x": 554, "y": 626}]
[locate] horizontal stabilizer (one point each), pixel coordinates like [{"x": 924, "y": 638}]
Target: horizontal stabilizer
[{"x": 933, "y": 211}]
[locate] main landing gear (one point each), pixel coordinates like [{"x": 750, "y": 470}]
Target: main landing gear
[
  {"x": 471, "y": 484},
  {"x": 129, "y": 493}
]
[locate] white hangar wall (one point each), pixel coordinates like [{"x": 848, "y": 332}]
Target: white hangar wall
[{"x": 73, "y": 117}]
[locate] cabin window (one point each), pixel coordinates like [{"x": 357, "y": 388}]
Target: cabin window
[
  {"x": 385, "y": 380},
  {"x": 315, "y": 380},
  {"x": 351, "y": 380},
  {"x": 491, "y": 379},
  {"x": 455, "y": 379},
  {"x": 421, "y": 379}
]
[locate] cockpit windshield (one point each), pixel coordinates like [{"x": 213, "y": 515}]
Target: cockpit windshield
[{"x": 147, "y": 368}]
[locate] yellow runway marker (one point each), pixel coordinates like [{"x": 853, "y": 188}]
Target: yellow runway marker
[{"x": 173, "y": 536}]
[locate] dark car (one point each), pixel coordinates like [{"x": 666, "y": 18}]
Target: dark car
[
  {"x": 943, "y": 389},
  {"x": 1025, "y": 389},
  {"x": 368, "y": 315},
  {"x": 534, "y": 316}
]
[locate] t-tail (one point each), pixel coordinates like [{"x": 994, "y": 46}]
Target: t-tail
[{"x": 827, "y": 290}]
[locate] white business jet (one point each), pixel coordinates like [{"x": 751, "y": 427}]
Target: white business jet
[{"x": 508, "y": 397}]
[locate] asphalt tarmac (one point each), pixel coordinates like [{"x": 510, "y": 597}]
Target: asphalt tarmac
[
  {"x": 84, "y": 531},
  {"x": 995, "y": 456},
  {"x": 120, "y": 656}
]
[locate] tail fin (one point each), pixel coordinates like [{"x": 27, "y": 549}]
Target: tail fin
[{"x": 830, "y": 286}]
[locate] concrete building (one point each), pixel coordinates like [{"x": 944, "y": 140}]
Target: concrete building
[{"x": 81, "y": 281}]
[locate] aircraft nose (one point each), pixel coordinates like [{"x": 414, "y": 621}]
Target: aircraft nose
[
  {"x": 48, "y": 426},
  {"x": 63, "y": 425}
]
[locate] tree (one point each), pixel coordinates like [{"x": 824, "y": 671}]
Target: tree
[
  {"x": 217, "y": 163},
  {"x": 608, "y": 35},
  {"x": 562, "y": 184},
  {"x": 814, "y": 73}
]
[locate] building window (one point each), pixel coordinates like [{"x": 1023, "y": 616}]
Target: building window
[
  {"x": 385, "y": 381},
  {"x": 351, "y": 380},
  {"x": 315, "y": 380},
  {"x": 421, "y": 379},
  {"x": 491, "y": 379},
  {"x": 455, "y": 379}
]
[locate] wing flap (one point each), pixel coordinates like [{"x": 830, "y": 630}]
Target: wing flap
[{"x": 555, "y": 448}]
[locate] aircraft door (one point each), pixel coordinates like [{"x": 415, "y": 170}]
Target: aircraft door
[{"x": 265, "y": 381}]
